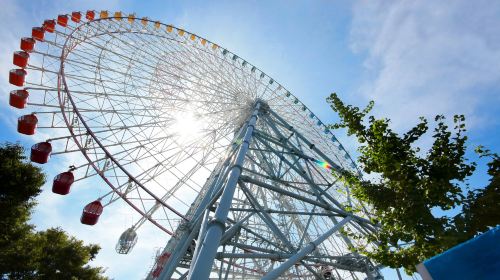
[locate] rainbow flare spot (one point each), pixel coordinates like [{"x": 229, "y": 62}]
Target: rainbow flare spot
[{"x": 323, "y": 164}]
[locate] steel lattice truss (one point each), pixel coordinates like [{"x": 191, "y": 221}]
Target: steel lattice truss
[
  {"x": 283, "y": 202},
  {"x": 117, "y": 90}
]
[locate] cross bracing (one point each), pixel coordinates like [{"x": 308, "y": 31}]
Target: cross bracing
[{"x": 282, "y": 203}]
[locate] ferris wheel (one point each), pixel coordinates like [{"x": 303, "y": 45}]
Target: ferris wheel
[{"x": 242, "y": 176}]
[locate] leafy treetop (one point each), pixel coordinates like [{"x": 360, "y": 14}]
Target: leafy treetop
[
  {"x": 412, "y": 185},
  {"x": 24, "y": 252}
]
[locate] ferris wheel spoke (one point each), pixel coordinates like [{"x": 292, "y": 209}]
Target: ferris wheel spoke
[
  {"x": 141, "y": 96},
  {"x": 139, "y": 176},
  {"x": 105, "y": 158},
  {"x": 186, "y": 50},
  {"x": 170, "y": 192},
  {"x": 148, "y": 193},
  {"x": 152, "y": 54}
]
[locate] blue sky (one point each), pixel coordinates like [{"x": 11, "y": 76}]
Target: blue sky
[{"x": 414, "y": 58}]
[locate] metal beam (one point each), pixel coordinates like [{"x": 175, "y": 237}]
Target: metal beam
[
  {"x": 216, "y": 227},
  {"x": 274, "y": 274},
  {"x": 265, "y": 216}
]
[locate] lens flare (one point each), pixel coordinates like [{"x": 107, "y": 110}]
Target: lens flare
[{"x": 323, "y": 164}]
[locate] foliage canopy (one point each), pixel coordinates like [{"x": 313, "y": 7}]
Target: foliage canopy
[
  {"x": 24, "y": 252},
  {"x": 412, "y": 186}
]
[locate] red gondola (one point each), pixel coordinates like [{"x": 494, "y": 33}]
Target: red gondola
[
  {"x": 160, "y": 263},
  {"x": 17, "y": 77},
  {"x": 91, "y": 213},
  {"x": 38, "y": 33},
  {"x": 40, "y": 152},
  {"x": 90, "y": 15},
  {"x": 163, "y": 258},
  {"x": 157, "y": 271},
  {"x": 62, "y": 20},
  {"x": 49, "y": 25},
  {"x": 62, "y": 183},
  {"x": 27, "y": 124},
  {"x": 21, "y": 59},
  {"x": 18, "y": 98},
  {"x": 76, "y": 16},
  {"x": 27, "y": 44}
]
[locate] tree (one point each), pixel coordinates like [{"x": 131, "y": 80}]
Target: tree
[
  {"x": 16, "y": 201},
  {"x": 413, "y": 186},
  {"x": 481, "y": 209},
  {"x": 24, "y": 252}
]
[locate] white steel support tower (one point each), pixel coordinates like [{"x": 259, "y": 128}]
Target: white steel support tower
[{"x": 268, "y": 212}]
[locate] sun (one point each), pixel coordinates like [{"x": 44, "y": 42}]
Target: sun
[{"x": 186, "y": 125}]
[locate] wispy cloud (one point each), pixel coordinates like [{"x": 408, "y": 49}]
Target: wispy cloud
[{"x": 430, "y": 57}]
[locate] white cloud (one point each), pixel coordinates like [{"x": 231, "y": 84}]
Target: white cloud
[{"x": 429, "y": 57}]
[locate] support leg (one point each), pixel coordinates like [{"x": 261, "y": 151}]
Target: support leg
[{"x": 216, "y": 227}]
